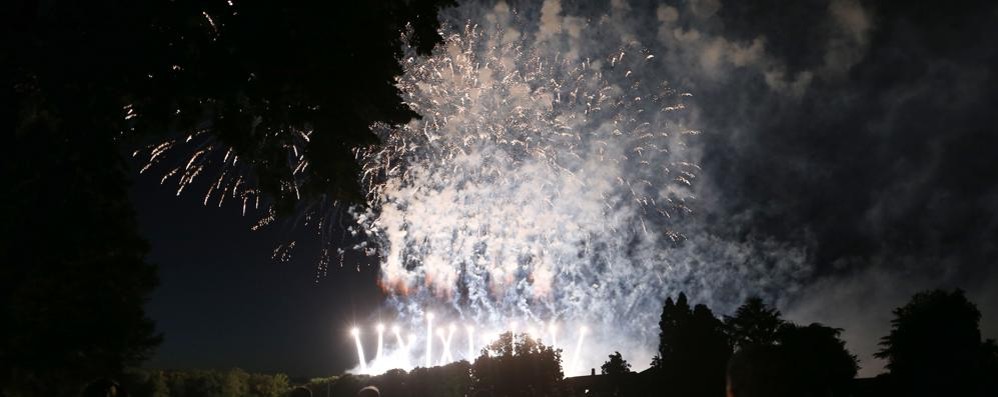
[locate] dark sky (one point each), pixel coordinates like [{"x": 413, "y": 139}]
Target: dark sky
[
  {"x": 223, "y": 302},
  {"x": 883, "y": 166}
]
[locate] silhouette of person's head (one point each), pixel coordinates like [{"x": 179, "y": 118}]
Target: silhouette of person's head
[
  {"x": 301, "y": 391},
  {"x": 369, "y": 391},
  {"x": 761, "y": 371},
  {"x": 104, "y": 388}
]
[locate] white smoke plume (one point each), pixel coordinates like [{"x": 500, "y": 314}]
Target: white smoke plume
[{"x": 552, "y": 178}]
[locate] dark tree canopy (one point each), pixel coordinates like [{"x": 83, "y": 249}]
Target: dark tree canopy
[
  {"x": 695, "y": 347},
  {"x": 83, "y": 77},
  {"x": 693, "y": 350},
  {"x": 761, "y": 371},
  {"x": 451, "y": 380},
  {"x": 753, "y": 323},
  {"x": 517, "y": 366},
  {"x": 616, "y": 365},
  {"x": 74, "y": 277},
  {"x": 250, "y": 76},
  {"x": 821, "y": 364},
  {"x": 204, "y": 383},
  {"x": 935, "y": 347},
  {"x": 813, "y": 358}
]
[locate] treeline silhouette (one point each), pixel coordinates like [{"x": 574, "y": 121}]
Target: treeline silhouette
[
  {"x": 196, "y": 383},
  {"x": 934, "y": 348},
  {"x": 695, "y": 348}
]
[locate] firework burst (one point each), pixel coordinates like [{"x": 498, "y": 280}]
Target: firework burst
[
  {"x": 539, "y": 183},
  {"x": 551, "y": 178}
]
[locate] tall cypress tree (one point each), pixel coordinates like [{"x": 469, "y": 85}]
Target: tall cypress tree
[{"x": 693, "y": 350}]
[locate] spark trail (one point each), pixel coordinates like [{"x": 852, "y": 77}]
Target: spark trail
[
  {"x": 540, "y": 184},
  {"x": 551, "y": 178}
]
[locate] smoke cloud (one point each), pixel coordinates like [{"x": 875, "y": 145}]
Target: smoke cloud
[{"x": 578, "y": 163}]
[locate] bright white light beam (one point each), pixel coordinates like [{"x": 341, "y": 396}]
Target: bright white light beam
[
  {"x": 429, "y": 340},
  {"x": 445, "y": 338},
  {"x": 578, "y": 350},
  {"x": 381, "y": 342},
  {"x": 402, "y": 345},
  {"x": 360, "y": 349},
  {"x": 471, "y": 343}
]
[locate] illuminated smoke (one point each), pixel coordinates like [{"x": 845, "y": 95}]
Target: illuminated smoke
[
  {"x": 540, "y": 185},
  {"x": 551, "y": 177}
]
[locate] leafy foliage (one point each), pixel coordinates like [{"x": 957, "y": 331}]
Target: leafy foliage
[
  {"x": 204, "y": 383},
  {"x": 754, "y": 324},
  {"x": 693, "y": 349},
  {"x": 74, "y": 277},
  {"x": 616, "y": 365},
  {"x": 820, "y": 361},
  {"x": 254, "y": 76},
  {"x": 517, "y": 365},
  {"x": 935, "y": 347}
]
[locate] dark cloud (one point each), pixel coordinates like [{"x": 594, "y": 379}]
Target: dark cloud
[
  {"x": 882, "y": 163},
  {"x": 856, "y": 134},
  {"x": 892, "y": 156}
]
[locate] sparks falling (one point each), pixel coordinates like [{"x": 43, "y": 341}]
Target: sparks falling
[
  {"x": 539, "y": 183},
  {"x": 552, "y": 177}
]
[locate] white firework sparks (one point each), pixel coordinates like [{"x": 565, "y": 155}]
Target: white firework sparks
[
  {"x": 550, "y": 180},
  {"x": 538, "y": 184}
]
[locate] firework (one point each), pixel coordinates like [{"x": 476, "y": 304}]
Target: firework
[
  {"x": 552, "y": 177},
  {"x": 355, "y": 332},
  {"x": 399, "y": 354},
  {"x": 540, "y": 184}
]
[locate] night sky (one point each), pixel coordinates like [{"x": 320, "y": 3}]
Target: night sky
[
  {"x": 874, "y": 152},
  {"x": 223, "y": 302}
]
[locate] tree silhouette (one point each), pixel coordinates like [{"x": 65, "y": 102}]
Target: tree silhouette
[
  {"x": 203, "y": 383},
  {"x": 813, "y": 359},
  {"x": 250, "y": 76},
  {"x": 616, "y": 365},
  {"x": 236, "y": 383},
  {"x": 517, "y": 366},
  {"x": 693, "y": 350},
  {"x": 762, "y": 371},
  {"x": 754, "y": 323},
  {"x": 451, "y": 380},
  {"x": 820, "y": 362},
  {"x": 83, "y": 77},
  {"x": 935, "y": 347},
  {"x": 393, "y": 382},
  {"x": 74, "y": 277}
]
